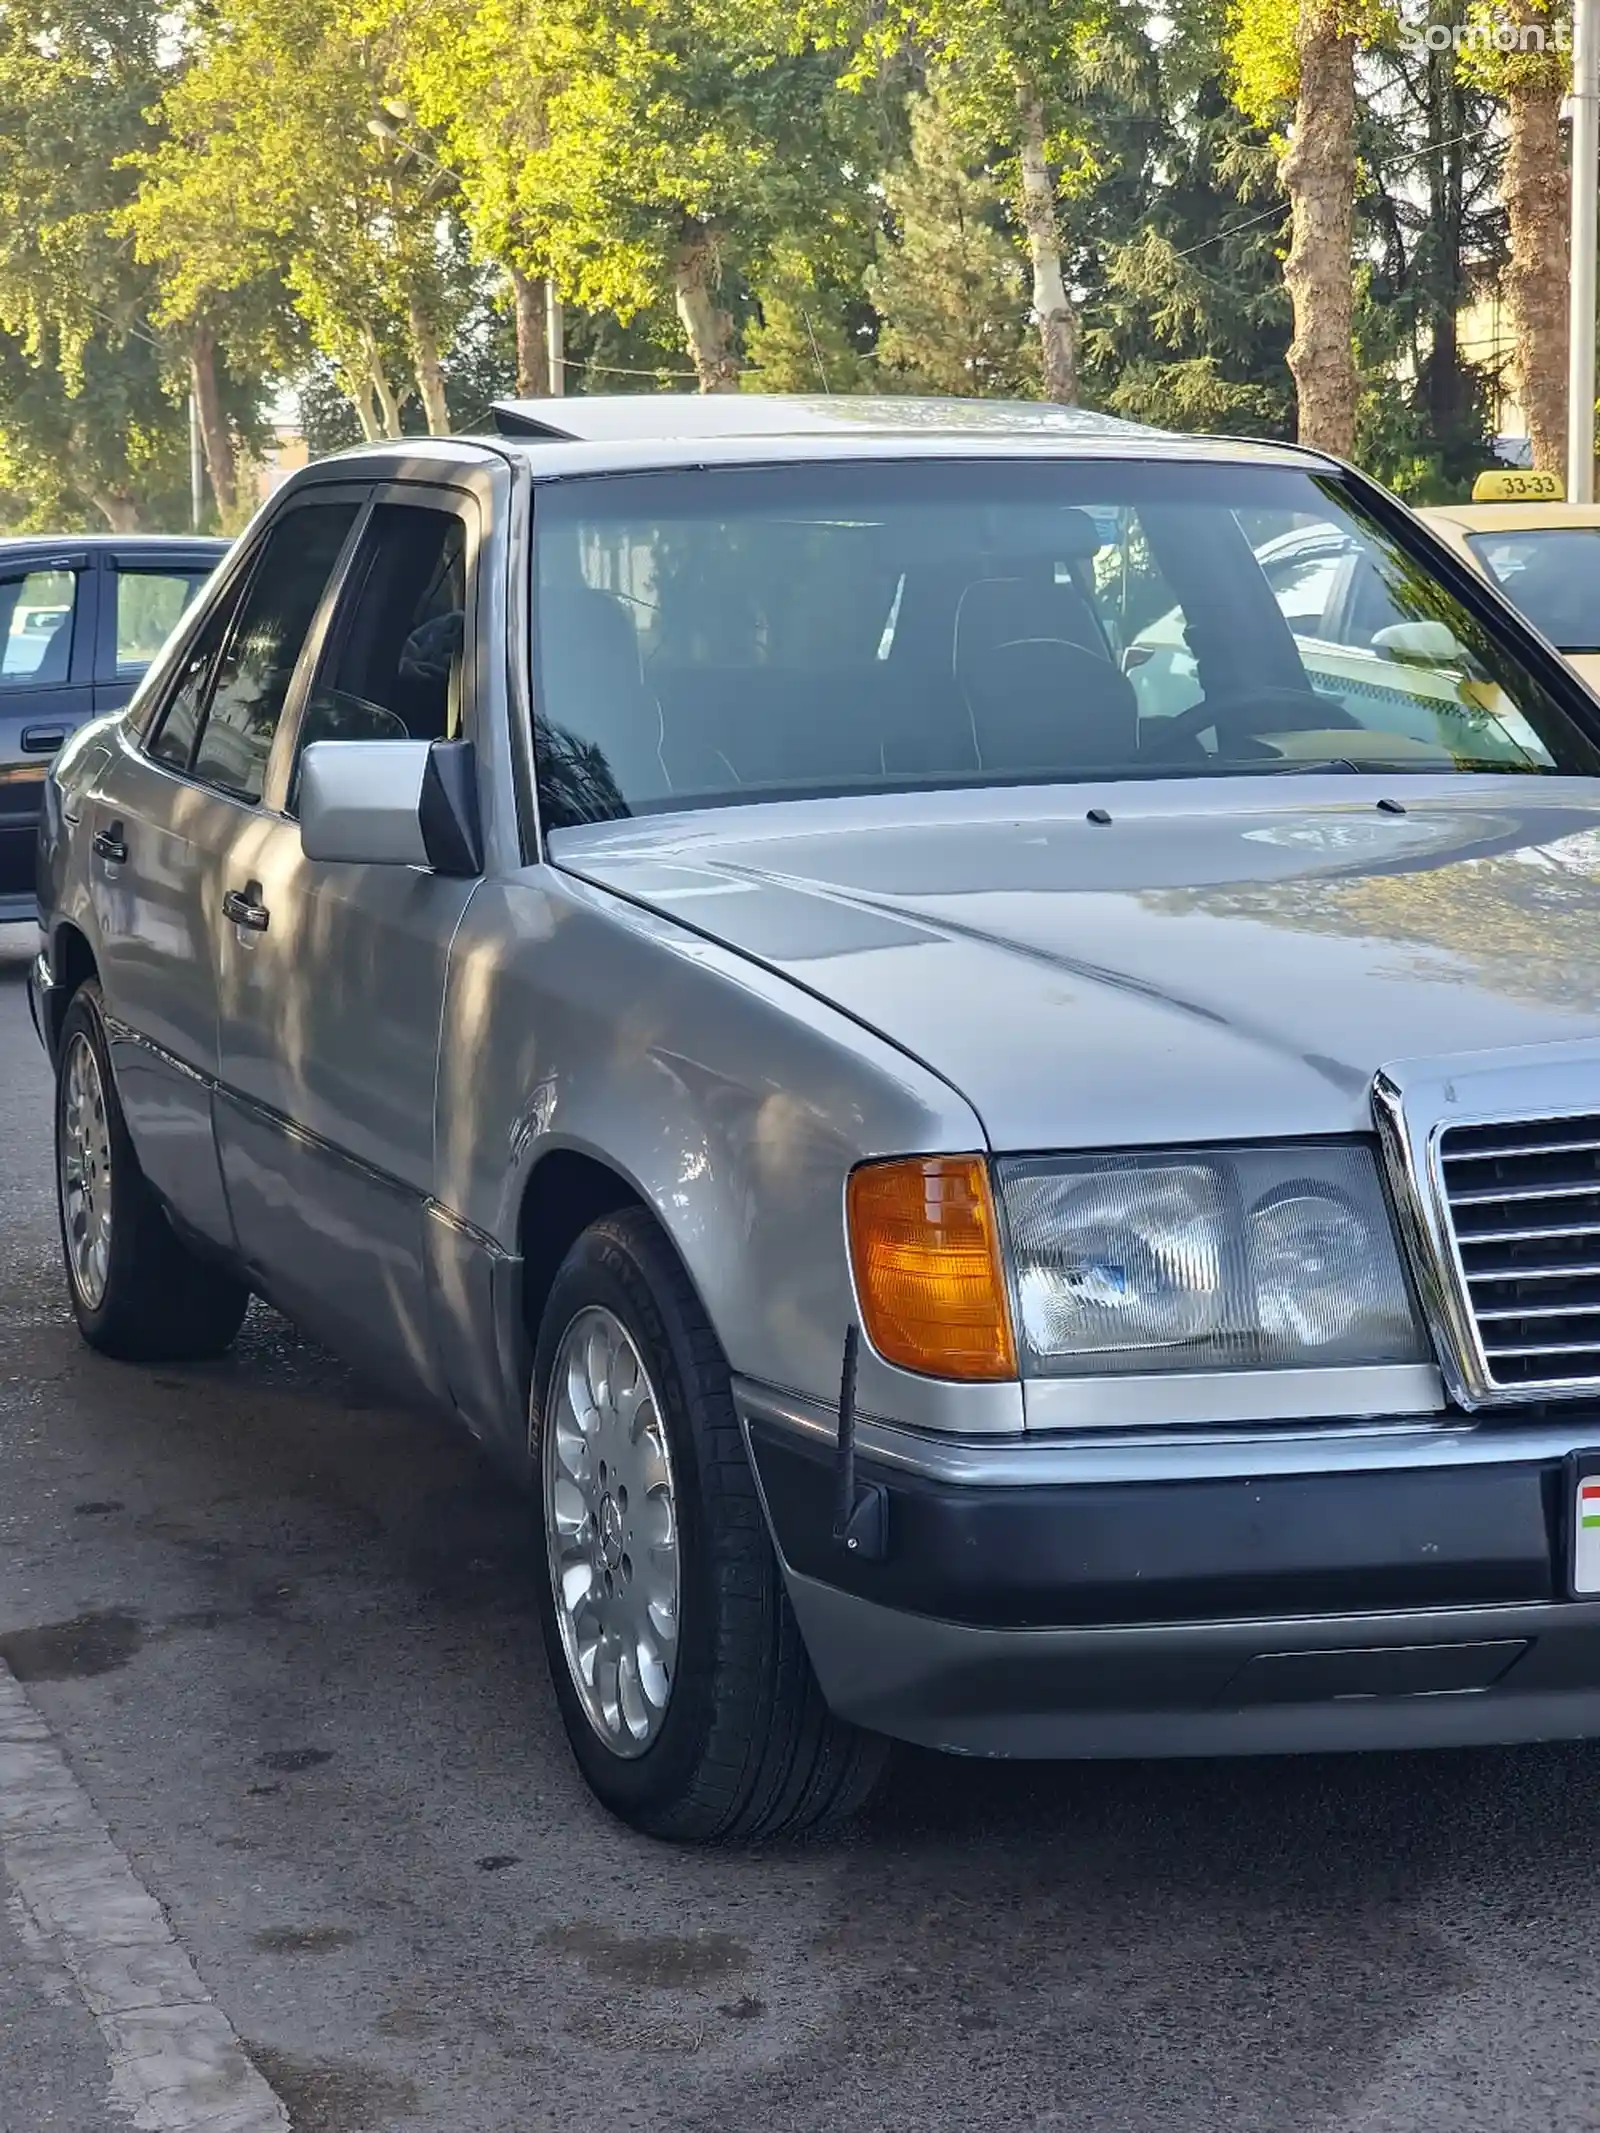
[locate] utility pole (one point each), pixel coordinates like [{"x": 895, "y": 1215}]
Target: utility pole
[
  {"x": 554, "y": 336},
  {"x": 1585, "y": 242},
  {"x": 197, "y": 467}
]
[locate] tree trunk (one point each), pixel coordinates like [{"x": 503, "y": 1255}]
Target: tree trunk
[
  {"x": 1535, "y": 189},
  {"x": 215, "y": 437},
  {"x": 385, "y": 399},
  {"x": 120, "y": 512},
  {"x": 1058, "y": 329},
  {"x": 707, "y": 328},
  {"x": 429, "y": 370},
  {"x": 1442, "y": 260},
  {"x": 359, "y": 393},
  {"x": 533, "y": 350},
  {"x": 1319, "y": 176}
]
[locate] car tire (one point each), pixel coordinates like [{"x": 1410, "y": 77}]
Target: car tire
[
  {"x": 138, "y": 1292},
  {"x": 741, "y": 1744}
]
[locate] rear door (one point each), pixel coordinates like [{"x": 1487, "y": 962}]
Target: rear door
[
  {"x": 144, "y": 593},
  {"x": 162, "y": 823},
  {"x": 47, "y": 626}
]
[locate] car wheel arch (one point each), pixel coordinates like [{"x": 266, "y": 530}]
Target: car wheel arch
[
  {"x": 565, "y": 1192},
  {"x": 73, "y": 963}
]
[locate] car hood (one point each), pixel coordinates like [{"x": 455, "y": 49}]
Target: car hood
[{"x": 1217, "y": 960}]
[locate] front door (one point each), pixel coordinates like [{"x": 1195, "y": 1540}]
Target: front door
[
  {"x": 163, "y": 816},
  {"x": 333, "y": 976},
  {"x": 47, "y": 621}
]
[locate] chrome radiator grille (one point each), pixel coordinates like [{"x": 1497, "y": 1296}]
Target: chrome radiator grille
[{"x": 1524, "y": 1204}]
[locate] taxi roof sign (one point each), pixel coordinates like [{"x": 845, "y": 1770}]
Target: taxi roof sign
[{"x": 1517, "y": 485}]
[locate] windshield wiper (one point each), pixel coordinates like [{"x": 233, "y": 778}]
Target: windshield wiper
[
  {"x": 1390, "y": 767},
  {"x": 1331, "y": 762}
]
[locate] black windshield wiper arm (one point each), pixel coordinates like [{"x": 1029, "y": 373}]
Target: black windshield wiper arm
[{"x": 1330, "y": 762}]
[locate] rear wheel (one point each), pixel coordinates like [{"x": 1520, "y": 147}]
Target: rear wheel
[
  {"x": 678, "y": 1665},
  {"x": 137, "y": 1290}
]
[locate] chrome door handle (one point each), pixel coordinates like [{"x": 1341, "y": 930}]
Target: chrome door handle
[
  {"x": 109, "y": 844},
  {"x": 245, "y": 908}
]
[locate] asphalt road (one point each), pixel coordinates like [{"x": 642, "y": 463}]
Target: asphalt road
[{"x": 284, "y": 1636}]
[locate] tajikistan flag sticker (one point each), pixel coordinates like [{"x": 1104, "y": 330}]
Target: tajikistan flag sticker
[{"x": 1586, "y": 1555}]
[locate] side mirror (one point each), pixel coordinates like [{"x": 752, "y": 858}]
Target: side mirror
[
  {"x": 391, "y": 803},
  {"x": 1427, "y": 644}
]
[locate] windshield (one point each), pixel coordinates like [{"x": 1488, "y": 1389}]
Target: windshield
[
  {"x": 757, "y": 633},
  {"x": 1553, "y": 576}
]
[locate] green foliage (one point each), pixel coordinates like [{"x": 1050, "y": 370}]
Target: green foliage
[
  {"x": 110, "y": 449},
  {"x": 249, "y": 180},
  {"x": 828, "y": 198},
  {"x": 814, "y": 331},
  {"x": 948, "y": 283},
  {"x": 1428, "y": 201},
  {"x": 1188, "y": 324},
  {"x": 1501, "y": 51},
  {"x": 92, "y": 430}
]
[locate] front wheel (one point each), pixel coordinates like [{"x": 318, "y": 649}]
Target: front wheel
[
  {"x": 137, "y": 1290},
  {"x": 677, "y": 1662}
]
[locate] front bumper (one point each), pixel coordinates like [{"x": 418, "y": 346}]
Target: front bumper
[{"x": 1362, "y": 1587}]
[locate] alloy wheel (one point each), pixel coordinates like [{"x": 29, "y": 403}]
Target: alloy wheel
[
  {"x": 611, "y": 1531},
  {"x": 84, "y": 1160}
]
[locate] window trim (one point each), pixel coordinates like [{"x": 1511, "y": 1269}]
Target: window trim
[
  {"x": 152, "y": 697},
  {"x": 236, "y": 589},
  {"x": 460, "y": 504},
  {"x": 80, "y": 658},
  {"x": 113, "y": 571}
]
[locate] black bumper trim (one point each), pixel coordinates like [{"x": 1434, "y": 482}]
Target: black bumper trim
[
  {"x": 1435, "y": 1678},
  {"x": 1108, "y": 1553}
]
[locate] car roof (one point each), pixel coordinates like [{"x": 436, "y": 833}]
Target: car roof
[
  {"x": 648, "y": 432},
  {"x": 16, "y": 544},
  {"x": 1514, "y": 518},
  {"x": 631, "y": 418},
  {"x": 590, "y": 432}
]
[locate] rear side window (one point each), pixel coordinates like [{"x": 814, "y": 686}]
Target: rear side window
[
  {"x": 37, "y": 612},
  {"x": 253, "y": 675},
  {"x": 1549, "y": 572},
  {"x": 150, "y": 605}
]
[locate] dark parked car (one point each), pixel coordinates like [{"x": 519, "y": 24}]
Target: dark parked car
[{"x": 81, "y": 617}]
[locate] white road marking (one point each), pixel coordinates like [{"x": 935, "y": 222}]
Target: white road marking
[{"x": 176, "y": 2064}]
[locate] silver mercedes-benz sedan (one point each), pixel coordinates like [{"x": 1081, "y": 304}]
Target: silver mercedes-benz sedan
[{"x": 1007, "y": 1139}]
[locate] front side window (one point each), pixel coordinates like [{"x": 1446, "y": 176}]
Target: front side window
[
  {"x": 392, "y": 669},
  {"x": 172, "y": 741},
  {"x": 150, "y": 605},
  {"x": 37, "y": 612},
  {"x": 713, "y": 637},
  {"x": 253, "y": 675},
  {"x": 1551, "y": 574}
]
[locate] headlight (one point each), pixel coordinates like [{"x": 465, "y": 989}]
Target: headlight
[{"x": 1223, "y": 1259}]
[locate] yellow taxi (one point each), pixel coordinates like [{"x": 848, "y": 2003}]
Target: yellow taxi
[{"x": 1542, "y": 552}]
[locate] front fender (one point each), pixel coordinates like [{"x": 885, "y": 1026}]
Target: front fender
[{"x": 732, "y": 1103}]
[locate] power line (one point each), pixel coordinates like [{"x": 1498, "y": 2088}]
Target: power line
[{"x": 1281, "y": 207}]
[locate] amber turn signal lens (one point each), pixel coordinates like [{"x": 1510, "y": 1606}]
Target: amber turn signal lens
[{"x": 926, "y": 1251}]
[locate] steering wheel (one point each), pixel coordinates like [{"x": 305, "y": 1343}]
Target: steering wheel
[{"x": 1273, "y": 710}]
